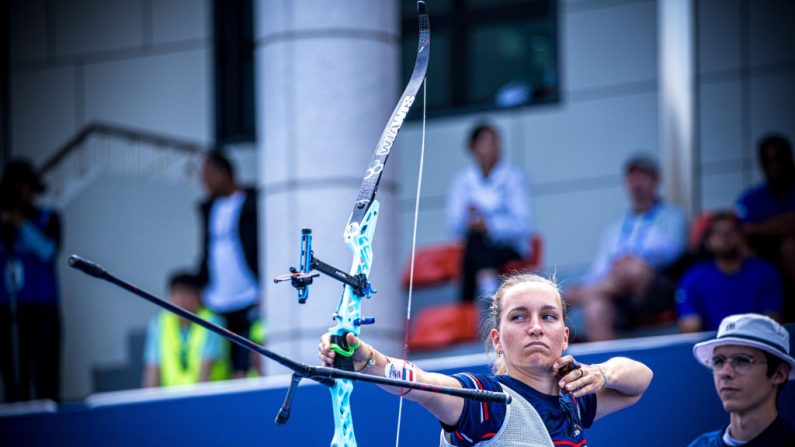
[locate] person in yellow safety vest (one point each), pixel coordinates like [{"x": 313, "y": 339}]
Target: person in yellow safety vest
[
  {"x": 257, "y": 335},
  {"x": 177, "y": 351}
]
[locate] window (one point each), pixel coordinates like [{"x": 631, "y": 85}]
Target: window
[
  {"x": 233, "y": 39},
  {"x": 486, "y": 53}
]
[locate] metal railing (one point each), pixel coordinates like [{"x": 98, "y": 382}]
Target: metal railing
[{"x": 109, "y": 148}]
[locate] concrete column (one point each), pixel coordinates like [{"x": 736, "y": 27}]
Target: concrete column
[
  {"x": 678, "y": 130},
  {"x": 327, "y": 81}
]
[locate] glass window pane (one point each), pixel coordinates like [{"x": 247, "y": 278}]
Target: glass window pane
[
  {"x": 408, "y": 8},
  {"x": 511, "y": 64}
]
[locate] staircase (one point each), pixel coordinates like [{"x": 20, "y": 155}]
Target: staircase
[
  {"x": 127, "y": 200},
  {"x": 101, "y": 148}
]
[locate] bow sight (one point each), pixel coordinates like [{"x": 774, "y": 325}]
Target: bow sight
[{"x": 302, "y": 277}]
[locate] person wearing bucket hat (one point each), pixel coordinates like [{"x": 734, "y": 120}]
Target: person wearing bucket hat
[
  {"x": 29, "y": 317},
  {"x": 750, "y": 362}
]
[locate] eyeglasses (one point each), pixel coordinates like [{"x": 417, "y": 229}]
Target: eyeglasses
[{"x": 741, "y": 363}]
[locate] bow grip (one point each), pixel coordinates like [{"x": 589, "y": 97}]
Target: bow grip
[{"x": 342, "y": 360}]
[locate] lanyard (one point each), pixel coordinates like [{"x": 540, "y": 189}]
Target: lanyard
[{"x": 643, "y": 231}]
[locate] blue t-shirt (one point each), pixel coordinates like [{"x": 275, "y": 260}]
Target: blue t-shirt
[
  {"x": 713, "y": 295},
  {"x": 28, "y": 271},
  {"x": 564, "y": 416},
  {"x": 759, "y": 204}
]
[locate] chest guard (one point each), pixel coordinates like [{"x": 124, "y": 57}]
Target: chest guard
[{"x": 522, "y": 427}]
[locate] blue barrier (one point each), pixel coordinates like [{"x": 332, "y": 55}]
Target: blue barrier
[{"x": 680, "y": 404}]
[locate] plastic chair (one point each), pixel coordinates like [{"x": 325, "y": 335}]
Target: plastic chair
[
  {"x": 441, "y": 263},
  {"x": 444, "y": 325},
  {"x": 440, "y": 326}
]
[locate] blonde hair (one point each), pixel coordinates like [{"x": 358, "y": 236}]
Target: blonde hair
[{"x": 496, "y": 305}]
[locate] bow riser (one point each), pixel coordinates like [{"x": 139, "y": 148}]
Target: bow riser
[
  {"x": 348, "y": 312},
  {"x": 349, "y": 308}
]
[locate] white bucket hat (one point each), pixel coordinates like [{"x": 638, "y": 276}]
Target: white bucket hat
[{"x": 754, "y": 330}]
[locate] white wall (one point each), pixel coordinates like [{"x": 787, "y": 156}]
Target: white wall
[
  {"x": 747, "y": 89},
  {"x": 143, "y": 63},
  {"x": 573, "y": 151},
  {"x": 146, "y": 64}
]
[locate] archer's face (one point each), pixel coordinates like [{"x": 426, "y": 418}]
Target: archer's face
[{"x": 532, "y": 334}]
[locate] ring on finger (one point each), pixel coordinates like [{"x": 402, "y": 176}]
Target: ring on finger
[{"x": 582, "y": 373}]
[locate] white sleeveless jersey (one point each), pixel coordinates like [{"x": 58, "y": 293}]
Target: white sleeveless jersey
[{"x": 522, "y": 427}]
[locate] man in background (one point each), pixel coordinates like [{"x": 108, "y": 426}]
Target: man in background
[
  {"x": 626, "y": 281},
  {"x": 768, "y": 213},
  {"x": 229, "y": 266},
  {"x": 729, "y": 282}
]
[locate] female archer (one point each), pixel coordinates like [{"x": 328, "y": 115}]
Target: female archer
[{"x": 554, "y": 397}]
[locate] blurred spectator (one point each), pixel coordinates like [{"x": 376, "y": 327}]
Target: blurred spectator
[
  {"x": 258, "y": 335},
  {"x": 487, "y": 208},
  {"x": 626, "y": 281},
  {"x": 30, "y": 325},
  {"x": 768, "y": 212},
  {"x": 177, "y": 351},
  {"x": 230, "y": 267},
  {"x": 750, "y": 364},
  {"x": 728, "y": 283}
]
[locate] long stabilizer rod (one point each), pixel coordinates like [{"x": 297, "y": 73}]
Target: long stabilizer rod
[{"x": 319, "y": 374}]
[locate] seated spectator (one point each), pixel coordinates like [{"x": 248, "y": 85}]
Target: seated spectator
[
  {"x": 750, "y": 363},
  {"x": 179, "y": 352},
  {"x": 626, "y": 281},
  {"x": 488, "y": 209},
  {"x": 768, "y": 212},
  {"x": 728, "y": 283}
]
